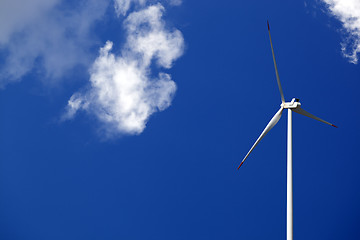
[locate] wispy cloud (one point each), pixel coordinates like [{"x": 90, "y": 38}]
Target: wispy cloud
[
  {"x": 175, "y": 2},
  {"x": 122, "y": 6},
  {"x": 348, "y": 12},
  {"x": 46, "y": 35},
  {"x": 123, "y": 91}
]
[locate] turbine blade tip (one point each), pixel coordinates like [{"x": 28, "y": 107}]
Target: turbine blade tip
[
  {"x": 268, "y": 25},
  {"x": 240, "y": 165},
  {"x": 334, "y": 125}
]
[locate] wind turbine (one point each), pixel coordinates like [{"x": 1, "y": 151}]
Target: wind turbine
[{"x": 293, "y": 106}]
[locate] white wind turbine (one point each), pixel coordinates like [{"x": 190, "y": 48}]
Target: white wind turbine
[{"x": 295, "y": 106}]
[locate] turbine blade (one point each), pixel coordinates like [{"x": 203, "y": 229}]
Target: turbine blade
[
  {"x": 276, "y": 70},
  {"x": 268, "y": 127},
  {"x": 305, "y": 113}
]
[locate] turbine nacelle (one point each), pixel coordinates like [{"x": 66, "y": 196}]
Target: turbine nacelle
[{"x": 295, "y": 103}]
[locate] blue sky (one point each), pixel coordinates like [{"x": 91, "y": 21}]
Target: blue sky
[{"x": 127, "y": 119}]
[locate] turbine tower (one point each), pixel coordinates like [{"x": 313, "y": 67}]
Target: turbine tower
[{"x": 293, "y": 106}]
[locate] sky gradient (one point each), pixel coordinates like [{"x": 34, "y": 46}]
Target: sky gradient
[{"x": 127, "y": 119}]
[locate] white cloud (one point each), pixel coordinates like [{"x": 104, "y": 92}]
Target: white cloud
[
  {"x": 122, "y": 6},
  {"x": 348, "y": 12},
  {"x": 46, "y": 35},
  {"x": 123, "y": 92},
  {"x": 51, "y": 37}
]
